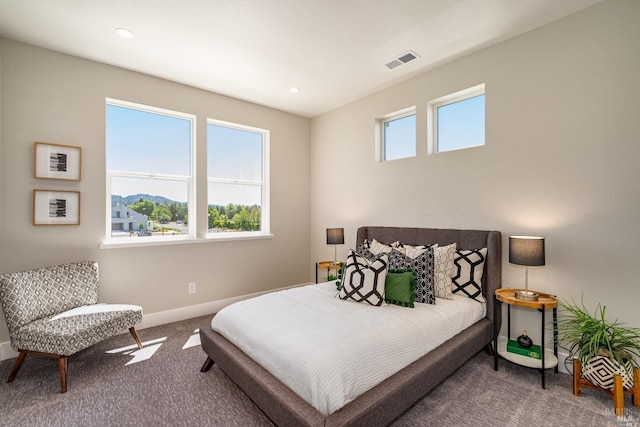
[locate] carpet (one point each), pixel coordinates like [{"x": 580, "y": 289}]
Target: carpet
[{"x": 115, "y": 384}]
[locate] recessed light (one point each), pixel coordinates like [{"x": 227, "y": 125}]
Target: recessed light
[
  {"x": 294, "y": 90},
  {"x": 124, "y": 33}
]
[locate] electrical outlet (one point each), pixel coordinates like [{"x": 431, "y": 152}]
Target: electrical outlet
[{"x": 192, "y": 287}]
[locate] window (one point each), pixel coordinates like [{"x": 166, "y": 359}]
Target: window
[
  {"x": 456, "y": 121},
  {"x": 150, "y": 184},
  {"x": 237, "y": 179},
  {"x": 398, "y": 135}
]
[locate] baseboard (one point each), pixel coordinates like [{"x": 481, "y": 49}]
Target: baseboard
[
  {"x": 6, "y": 352},
  {"x": 169, "y": 316}
]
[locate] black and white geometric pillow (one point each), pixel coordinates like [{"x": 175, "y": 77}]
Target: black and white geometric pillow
[
  {"x": 423, "y": 266},
  {"x": 364, "y": 280},
  {"x": 467, "y": 275}
]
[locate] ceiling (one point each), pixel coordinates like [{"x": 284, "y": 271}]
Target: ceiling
[{"x": 334, "y": 51}]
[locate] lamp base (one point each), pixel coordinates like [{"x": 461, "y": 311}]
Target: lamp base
[{"x": 526, "y": 295}]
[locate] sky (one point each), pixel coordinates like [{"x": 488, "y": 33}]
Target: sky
[
  {"x": 146, "y": 142},
  {"x": 460, "y": 125},
  {"x": 400, "y": 138}
]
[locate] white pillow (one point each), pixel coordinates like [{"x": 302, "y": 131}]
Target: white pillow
[
  {"x": 443, "y": 268},
  {"x": 413, "y": 252},
  {"x": 378, "y": 248}
]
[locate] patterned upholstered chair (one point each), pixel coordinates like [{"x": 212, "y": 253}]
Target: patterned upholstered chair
[{"x": 54, "y": 312}]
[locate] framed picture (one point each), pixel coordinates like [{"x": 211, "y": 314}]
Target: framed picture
[
  {"x": 56, "y": 207},
  {"x": 55, "y": 161}
]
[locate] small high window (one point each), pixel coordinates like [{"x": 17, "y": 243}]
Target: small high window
[
  {"x": 398, "y": 135},
  {"x": 456, "y": 121}
]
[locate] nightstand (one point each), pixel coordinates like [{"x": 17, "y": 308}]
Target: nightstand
[
  {"x": 548, "y": 359},
  {"x": 327, "y": 265}
]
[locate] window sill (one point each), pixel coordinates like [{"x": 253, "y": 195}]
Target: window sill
[{"x": 183, "y": 240}]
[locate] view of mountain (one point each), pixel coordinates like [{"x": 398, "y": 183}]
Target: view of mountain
[{"x": 130, "y": 200}]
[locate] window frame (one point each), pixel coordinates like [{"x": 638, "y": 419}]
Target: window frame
[
  {"x": 264, "y": 184},
  {"x": 432, "y": 116},
  {"x": 381, "y": 146},
  {"x": 190, "y": 179}
]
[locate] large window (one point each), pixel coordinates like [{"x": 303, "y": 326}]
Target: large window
[
  {"x": 237, "y": 175},
  {"x": 398, "y": 135},
  {"x": 456, "y": 121},
  {"x": 150, "y": 183}
]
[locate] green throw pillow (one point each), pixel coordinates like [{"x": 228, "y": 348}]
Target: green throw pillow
[{"x": 400, "y": 287}]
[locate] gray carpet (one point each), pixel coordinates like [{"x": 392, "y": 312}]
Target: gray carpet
[{"x": 168, "y": 389}]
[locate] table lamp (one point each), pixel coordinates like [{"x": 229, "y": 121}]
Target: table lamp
[
  {"x": 335, "y": 236},
  {"x": 527, "y": 251}
]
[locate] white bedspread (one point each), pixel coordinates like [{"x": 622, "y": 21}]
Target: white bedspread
[{"x": 330, "y": 351}]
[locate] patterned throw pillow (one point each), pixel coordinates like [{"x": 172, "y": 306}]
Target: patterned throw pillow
[
  {"x": 468, "y": 270},
  {"x": 443, "y": 257},
  {"x": 423, "y": 266},
  {"x": 364, "y": 280}
]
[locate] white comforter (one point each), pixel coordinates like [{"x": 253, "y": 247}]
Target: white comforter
[{"x": 330, "y": 351}]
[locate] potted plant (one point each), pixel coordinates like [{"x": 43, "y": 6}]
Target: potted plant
[{"x": 600, "y": 346}]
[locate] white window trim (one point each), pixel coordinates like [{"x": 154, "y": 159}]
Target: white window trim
[
  {"x": 380, "y": 150},
  {"x": 265, "y": 220},
  {"x": 191, "y": 181},
  {"x": 432, "y": 113}
]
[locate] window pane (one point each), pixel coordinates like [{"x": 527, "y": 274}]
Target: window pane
[
  {"x": 400, "y": 138},
  {"x": 140, "y": 141},
  {"x": 234, "y": 153},
  {"x": 143, "y": 207},
  {"x": 461, "y": 124},
  {"x": 234, "y": 207}
]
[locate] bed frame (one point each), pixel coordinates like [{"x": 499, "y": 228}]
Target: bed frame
[{"x": 389, "y": 399}]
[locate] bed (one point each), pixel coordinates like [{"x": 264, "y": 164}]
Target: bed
[{"x": 389, "y": 398}]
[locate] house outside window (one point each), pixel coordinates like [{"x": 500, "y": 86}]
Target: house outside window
[
  {"x": 237, "y": 179},
  {"x": 150, "y": 183}
]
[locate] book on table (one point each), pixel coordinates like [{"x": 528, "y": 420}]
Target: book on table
[{"x": 534, "y": 351}]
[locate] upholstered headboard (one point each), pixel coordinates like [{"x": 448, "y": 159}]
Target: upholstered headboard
[{"x": 465, "y": 240}]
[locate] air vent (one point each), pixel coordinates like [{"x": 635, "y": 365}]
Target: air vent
[{"x": 402, "y": 59}]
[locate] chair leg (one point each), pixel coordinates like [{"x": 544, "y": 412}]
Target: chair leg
[
  {"x": 135, "y": 336},
  {"x": 62, "y": 362},
  {"x": 16, "y": 366},
  {"x": 208, "y": 364}
]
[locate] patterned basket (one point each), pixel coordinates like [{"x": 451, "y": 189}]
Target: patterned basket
[{"x": 599, "y": 370}]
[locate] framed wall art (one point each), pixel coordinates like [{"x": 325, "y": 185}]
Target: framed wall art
[
  {"x": 56, "y": 207},
  {"x": 56, "y": 161}
]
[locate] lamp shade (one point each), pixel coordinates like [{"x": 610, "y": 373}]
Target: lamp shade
[
  {"x": 335, "y": 236},
  {"x": 526, "y": 250}
]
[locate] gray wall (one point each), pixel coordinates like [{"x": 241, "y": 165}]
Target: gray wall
[
  {"x": 52, "y": 97},
  {"x": 561, "y": 158}
]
